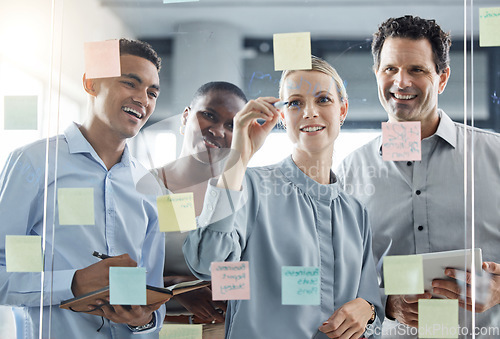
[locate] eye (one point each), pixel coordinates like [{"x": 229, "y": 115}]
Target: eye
[
  {"x": 390, "y": 69},
  {"x": 153, "y": 94},
  {"x": 229, "y": 126},
  {"x": 324, "y": 99},
  {"x": 293, "y": 104},
  {"x": 417, "y": 70},
  {"x": 208, "y": 115},
  {"x": 128, "y": 83}
]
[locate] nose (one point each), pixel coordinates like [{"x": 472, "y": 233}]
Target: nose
[
  {"x": 141, "y": 97},
  {"x": 217, "y": 130},
  {"x": 402, "y": 80},
  {"x": 309, "y": 111}
]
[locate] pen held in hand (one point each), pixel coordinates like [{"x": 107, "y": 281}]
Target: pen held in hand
[{"x": 101, "y": 255}]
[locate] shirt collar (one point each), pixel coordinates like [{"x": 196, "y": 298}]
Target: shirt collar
[
  {"x": 308, "y": 185},
  {"x": 446, "y": 130},
  {"x": 78, "y": 144}
]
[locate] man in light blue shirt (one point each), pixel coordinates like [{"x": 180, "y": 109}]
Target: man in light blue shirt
[
  {"x": 93, "y": 155},
  {"x": 419, "y": 206}
]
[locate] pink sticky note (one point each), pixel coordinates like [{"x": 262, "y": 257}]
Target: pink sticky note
[
  {"x": 230, "y": 280},
  {"x": 401, "y": 141},
  {"x": 102, "y": 59}
]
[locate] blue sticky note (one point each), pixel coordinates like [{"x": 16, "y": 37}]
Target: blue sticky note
[
  {"x": 21, "y": 112},
  {"x": 127, "y": 286},
  {"x": 300, "y": 285}
]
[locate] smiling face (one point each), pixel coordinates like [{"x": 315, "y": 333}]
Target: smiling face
[
  {"x": 408, "y": 84},
  {"x": 209, "y": 124},
  {"x": 313, "y": 113},
  {"x": 122, "y": 105}
]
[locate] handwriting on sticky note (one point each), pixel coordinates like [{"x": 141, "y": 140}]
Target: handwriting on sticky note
[
  {"x": 401, "y": 141},
  {"x": 175, "y": 331},
  {"x": 403, "y": 274},
  {"x": 23, "y": 253},
  {"x": 21, "y": 112},
  {"x": 489, "y": 26},
  {"x": 127, "y": 286},
  {"x": 300, "y": 285},
  {"x": 102, "y": 59},
  {"x": 292, "y": 51},
  {"x": 438, "y": 318},
  {"x": 176, "y": 212},
  {"x": 76, "y": 206},
  {"x": 230, "y": 280}
]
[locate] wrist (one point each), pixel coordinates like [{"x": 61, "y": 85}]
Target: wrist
[
  {"x": 149, "y": 325},
  {"x": 373, "y": 314}
]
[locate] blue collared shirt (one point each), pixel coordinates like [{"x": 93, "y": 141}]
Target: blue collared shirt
[
  {"x": 125, "y": 222},
  {"x": 419, "y": 206},
  {"x": 284, "y": 218}
]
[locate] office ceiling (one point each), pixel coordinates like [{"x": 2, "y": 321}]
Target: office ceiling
[{"x": 341, "y": 19}]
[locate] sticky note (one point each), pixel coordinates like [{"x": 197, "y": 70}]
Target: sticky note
[
  {"x": 176, "y": 212},
  {"x": 300, "y": 285},
  {"x": 23, "y": 253},
  {"x": 102, "y": 59},
  {"x": 76, "y": 206},
  {"x": 489, "y": 27},
  {"x": 230, "y": 280},
  {"x": 292, "y": 51},
  {"x": 401, "y": 141},
  {"x": 127, "y": 286},
  {"x": 21, "y": 112},
  {"x": 438, "y": 318},
  {"x": 174, "y": 331},
  {"x": 403, "y": 274}
]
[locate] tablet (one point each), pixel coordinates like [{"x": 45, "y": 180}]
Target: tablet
[{"x": 435, "y": 263}]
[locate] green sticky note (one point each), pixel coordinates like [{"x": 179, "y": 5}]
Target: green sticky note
[
  {"x": 174, "y": 331},
  {"x": 21, "y": 112},
  {"x": 176, "y": 212},
  {"x": 292, "y": 51},
  {"x": 127, "y": 286},
  {"x": 300, "y": 285},
  {"x": 438, "y": 318},
  {"x": 23, "y": 253},
  {"x": 403, "y": 274},
  {"x": 489, "y": 27},
  {"x": 76, "y": 206}
]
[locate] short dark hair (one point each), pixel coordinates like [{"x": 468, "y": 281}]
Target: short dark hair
[
  {"x": 219, "y": 86},
  {"x": 416, "y": 28},
  {"x": 141, "y": 49}
]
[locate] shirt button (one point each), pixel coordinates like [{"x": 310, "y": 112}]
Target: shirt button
[
  {"x": 409, "y": 163},
  {"x": 213, "y": 193},
  {"x": 418, "y": 192},
  {"x": 210, "y": 208},
  {"x": 420, "y": 227}
]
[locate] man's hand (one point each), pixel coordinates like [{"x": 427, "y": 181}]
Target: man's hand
[
  {"x": 404, "y": 308},
  {"x": 134, "y": 315},
  {"x": 96, "y": 276},
  {"x": 349, "y": 321},
  {"x": 452, "y": 290},
  {"x": 199, "y": 302}
]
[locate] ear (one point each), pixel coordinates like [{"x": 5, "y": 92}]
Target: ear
[
  {"x": 443, "y": 79},
  {"x": 282, "y": 117},
  {"x": 185, "y": 115},
  {"x": 344, "y": 105},
  {"x": 89, "y": 85}
]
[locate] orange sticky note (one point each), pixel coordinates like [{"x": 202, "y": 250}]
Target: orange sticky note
[
  {"x": 401, "y": 141},
  {"x": 292, "y": 51},
  {"x": 102, "y": 59},
  {"x": 230, "y": 280}
]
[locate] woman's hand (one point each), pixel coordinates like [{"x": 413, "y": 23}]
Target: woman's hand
[
  {"x": 248, "y": 134},
  {"x": 349, "y": 321}
]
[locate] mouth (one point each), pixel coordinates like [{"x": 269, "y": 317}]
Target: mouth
[
  {"x": 403, "y": 96},
  {"x": 311, "y": 129},
  {"x": 133, "y": 112},
  {"x": 211, "y": 143}
]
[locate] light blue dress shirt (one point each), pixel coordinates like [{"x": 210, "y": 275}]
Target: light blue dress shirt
[
  {"x": 125, "y": 222},
  {"x": 285, "y": 218},
  {"x": 419, "y": 205}
]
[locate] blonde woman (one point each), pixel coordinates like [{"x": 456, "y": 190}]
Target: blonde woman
[{"x": 291, "y": 214}]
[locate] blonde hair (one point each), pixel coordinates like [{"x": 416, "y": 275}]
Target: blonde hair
[{"x": 322, "y": 66}]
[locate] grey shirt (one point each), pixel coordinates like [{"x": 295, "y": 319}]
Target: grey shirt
[
  {"x": 420, "y": 207},
  {"x": 284, "y": 218}
]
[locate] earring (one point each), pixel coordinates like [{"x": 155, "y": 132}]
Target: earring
[
  {"x": 181, "y": 129},
  {"x": 341, "y": 122}
]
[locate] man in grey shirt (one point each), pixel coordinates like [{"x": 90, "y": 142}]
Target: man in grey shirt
[{"x": 424, "y": 206}]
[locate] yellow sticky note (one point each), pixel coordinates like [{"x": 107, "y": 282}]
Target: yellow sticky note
[
  {"x": 174, "y": 331},
  {"x": 21, "y": 112},
  {"x": 23, "y": 253},
  {"x": 403, "y": 274},
  {"x": 76, "y": 206},
  {"x": 489, "y": 27},
  {"x": 176, "y": 212},
  {"x": 438, "y": 318},
  {"x": 292, "y": 51},
  {"x": 102, "y": 59}
]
